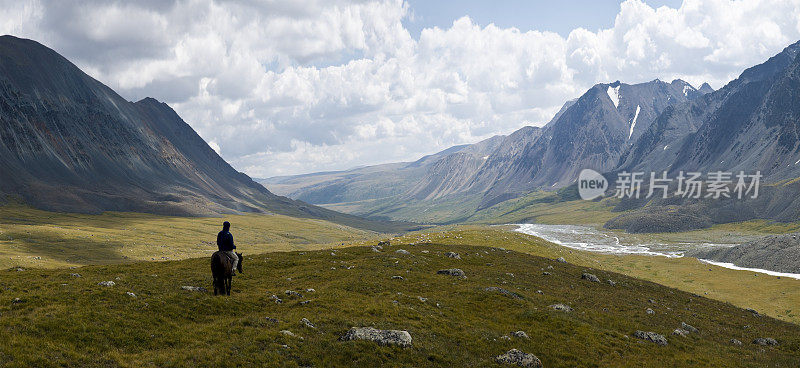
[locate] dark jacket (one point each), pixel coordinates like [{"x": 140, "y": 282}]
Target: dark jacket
[{"x": 225, "y": 241}]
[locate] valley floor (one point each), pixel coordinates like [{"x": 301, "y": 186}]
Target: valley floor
[{"x": 453, "y": 321}]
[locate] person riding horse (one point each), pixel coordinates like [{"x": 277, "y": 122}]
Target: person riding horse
[{"x": 225, "y": 245}]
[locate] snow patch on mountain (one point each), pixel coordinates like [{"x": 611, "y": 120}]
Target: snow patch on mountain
[
  {"x": 633, "y": 122},
  {"x": 613, "y": 94}
]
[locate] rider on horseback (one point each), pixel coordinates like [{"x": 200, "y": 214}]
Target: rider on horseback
[{"x": 225, "y": 244}]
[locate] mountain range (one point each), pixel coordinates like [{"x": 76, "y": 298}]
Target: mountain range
[
  {"x": 751, "y": 124},
  {"x": 71, "y": 143},
  {"x": 592, "y": 131}
]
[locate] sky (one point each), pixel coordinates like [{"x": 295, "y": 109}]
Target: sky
[{"x": 282, "y": 87}]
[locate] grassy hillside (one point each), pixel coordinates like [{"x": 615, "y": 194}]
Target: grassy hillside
[
  {"x": 770, "y": 295},
  {"x": 64, "y": 320},
  {"x": 34, "y": 238}
]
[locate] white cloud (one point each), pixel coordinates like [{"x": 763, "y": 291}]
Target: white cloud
[{"x": 291, "y": 86}]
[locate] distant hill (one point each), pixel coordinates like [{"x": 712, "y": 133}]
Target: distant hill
[{"x": 72, "y": 144}]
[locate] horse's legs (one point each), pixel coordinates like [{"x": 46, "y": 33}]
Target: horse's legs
[
  {"x": 216, "y": 284},
  {"x": 228, "y": 286}
]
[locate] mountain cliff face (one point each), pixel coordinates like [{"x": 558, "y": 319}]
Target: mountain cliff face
[
  {"x": 751, "y": 124},
  {"x": 69, "y": 143},
  {"x": 593, "y": 132}
]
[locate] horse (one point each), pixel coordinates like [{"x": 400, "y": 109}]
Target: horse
[{"x": 221, "y": 272}]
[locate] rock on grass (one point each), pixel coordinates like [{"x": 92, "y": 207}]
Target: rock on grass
[
  {"x": 562, "y": 307},
  {"x": 518, "y": 358},
  {"x": 765, "y": 341},
  {"x": 452, "y": 272},
  {"x": 106, "y": 283},
  {"x": 689, "y": 327},
  {"x": 505, "y": 292},
  {"x": 520, "y": 335},
  {"x": 453, "y": 255},
  {"x": 305, "y": 322},
  {"x": 402, "y": 251},
  {"x": 590, "y": 277},
  {"x": 382, "y": 337},
  {"x": 653, "y": 337},
  {"x": 193, "y": 288}
]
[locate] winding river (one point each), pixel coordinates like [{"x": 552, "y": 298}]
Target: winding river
[{"x": 591, "y": 239}]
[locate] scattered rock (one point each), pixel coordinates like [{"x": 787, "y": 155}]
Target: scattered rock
[
  {"x": 653, "y": 337},
  {"x": 504, "y": 292},
  {"x": 75, "y": 275},
  {"x": 402, "y": 251},
  {"x": 505, "y": 337},
  {"x": 19, "y": 269},
  {"x": 422, "y": 299},
  {"x": 272, "y": 320},
  {"x": 130, "y": 294},
  {"x": 751, "y": 310},
  {"x": 520, "y": 335},
  {"x": 452, "y": 272},
  {"x": 765, "y": 341},
  {"x": 509, "y": 274},
  {"x": 590, "y": 277},
  {"x": 539, "y": 292},
  {"x": 736, "y": 342},
  {"x": 546, "y": 273},
  {"x": 384, "y": 243},
  {"x": 452, "y": 255},
  {"x": 304, "y": 302},
  {"x": 396, "y": 277},
  {"x": 562, "y": 307},
  {"x": 307, "y": 323},
  {"x": 518, "y": 358},
  {"x": 309, "y": 290},
  {"x": 611, "y": 282},
  {"x": 649, "y": 311},
  {"x": 290, "y": 334},
  {"x": 689, "y": 327},
  {"x": 276, "y": 299},
  {"x": 561, "y": 259},
  {"x": 293, "y": 294},
  {"x": 382, "y": 337},
  {"x": 425, "y": 251},
  {"x": 651, "y": 301},
  {"x": 193, "y": 288},
  {"x": 680, "y": 332},
  {"x": 106, "y": 283},
  {"x": 17, "y": 301}
]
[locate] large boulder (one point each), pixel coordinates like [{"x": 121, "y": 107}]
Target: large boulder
[
  {"x": 653, "y": 337},
  {"x": 518, "y": 358},
  {"x": 453, "y": 272},
  {"x": 382, "y": 337}
]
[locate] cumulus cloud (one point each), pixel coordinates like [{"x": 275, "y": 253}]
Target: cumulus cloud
[{"x": 291, "y": 86}]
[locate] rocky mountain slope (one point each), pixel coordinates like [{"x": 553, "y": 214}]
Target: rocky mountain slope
[
  {"x": 776, "y": 252},
  {"x": 752, "y": 124},
  {"x": 72, "y": 144}
]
